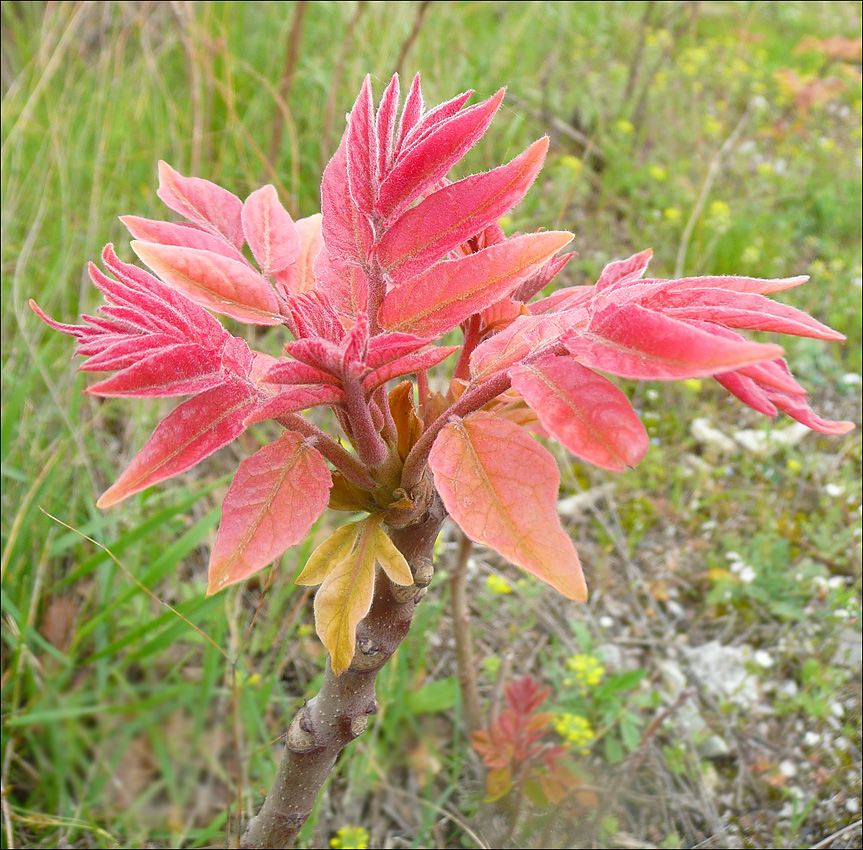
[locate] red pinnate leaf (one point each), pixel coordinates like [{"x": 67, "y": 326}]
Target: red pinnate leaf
[
  {"x": 584, "y": 411},
  {"x": 411, "y": 114},
  {"x": 299, "y": 276},
  {"x": 525, "y": 695},
  {"x": 501, "y": 487},
  {"x": 203, "y": 203},
  {"x": 223, "y": 285},
  {"x": 407, "y": 365},
  {"x": 275, "y": 498},
  {"x": 169, "y": 371},
  {"x": 433, "y": 117},
  {"x": 452, "y": 215},
  {"x": 270, "y": 231},
  {"x": 194, "y": 430},
  {"x": 739, "y": 310},
  {"x": 362, "y": 155},
  {"x": 634, "y": 342},
  {"x": 181, "y": 235},
  {"x": 347, "y": 234},
  {"x": 431, "y": 157},
  {"x": 294, "y": 399},
  {"x": 344, "y": 283},
  {"x": 449, "y": 292},
  {"x": 624, "y": 271},
  {"x": 526, "y": 335},
  {"x": 385, "y": 125}
]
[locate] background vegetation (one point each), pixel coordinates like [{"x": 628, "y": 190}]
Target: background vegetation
[{"x": 725, "y": 570}]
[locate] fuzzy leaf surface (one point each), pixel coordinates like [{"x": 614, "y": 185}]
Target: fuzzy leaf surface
[
  {"x": 203, "y": 203},
  {"x": 633, "y": 342},
  {"x": 584, "y": 411},
  {"x": 449, "y": 292},
  {"x": 191, "y": 432},
  {"x": 275, "y": 498},
  {"x": 270, "y": 231},
  {"x": 452, "y": 215},
  {"x": 214, "y": 281},
  {"x": 501, "y": 487}
]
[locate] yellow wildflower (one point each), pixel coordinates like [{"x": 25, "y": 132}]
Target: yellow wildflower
[
  {"x": 657, "y": 173},
  {"x": 498, "y": 584},
  {"x": 587, "y": 669},
  {"x": 575, "y": 730},
  {"x": 350, "y": 837},
  {"x": 671, "y": 214}
]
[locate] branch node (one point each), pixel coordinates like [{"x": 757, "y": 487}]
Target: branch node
[
  {"x": 300, "y": 737},
  {"x": 424, "y": 572},
  {"x": 359, "y": 724}
]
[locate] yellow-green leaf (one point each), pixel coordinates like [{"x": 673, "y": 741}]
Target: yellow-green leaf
[{"x": 344, "y": 566}]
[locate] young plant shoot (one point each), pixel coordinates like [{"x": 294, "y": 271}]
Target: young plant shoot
[{"x": 403, "y": 269}]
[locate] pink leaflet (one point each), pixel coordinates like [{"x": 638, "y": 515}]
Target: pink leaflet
[
  {"x": 797, "y": 408},
  {"x": 584, "y": 411},
  {"x": 385, "y": 125},
  {"x": 411, "y": 114},
  {"x": 299, "y": 277},
  {"x": 293, "y": 399},
  {"x": 749, "y": 391},
  {"x": 170, "y": 371},
  {"x": 155, "y": 303},
  {"x": 761, "y": 388},
  {"x": 213, "y": 281},
  {"x": 624, "y": 271},
  {"x": 452, "y": 215},
  {"x": 387, "y": 347},
  {"x": 564, "y": 299},
  {"x": 203, "y": 203},
  {"x": 633, "y": 342},
  {"x": 432, "y": 118},
  {"x": 733, "y": 283},
  {"x": 347, "y": 233},
  {"x": 738, "y": 310},
  {"x": 270, "y": 231},
  {"x": 361, "y": 150},
  {"x": 285, "y": 371},
  {"x": 431, "y": 157},
  {"x": 542, "y": 278},
  {"x": 181, "y": 235},
  {"x": 501, "y": 487},
  {"x": 526, "y": 335},
  {"x": 345, "y": 284},
  {"x": 451, "y": 291},
  {"x": 191, "y": 432},
  {"x": 277, "y": 495},
  {"x": 407, "y": 365}
]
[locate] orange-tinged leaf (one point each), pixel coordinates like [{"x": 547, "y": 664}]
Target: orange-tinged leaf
[
  {"x": 585, "y": 411},
  {"x": 501, "y": 487},
  {"x": 445, "y": 295},
  {"x": 344, "y": 566},
  {"x": 498, "y": 783},
  {"x": 214, "y": 281},
  {"x": 275, "y": 498}
]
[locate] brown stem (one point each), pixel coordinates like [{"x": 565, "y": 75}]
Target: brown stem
[
  {"x": 340, "y": 713},
  {"x": 422, "y": 8},
  {"x": 291, "y": 56},
  {"x": 463, "y": 640}
]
